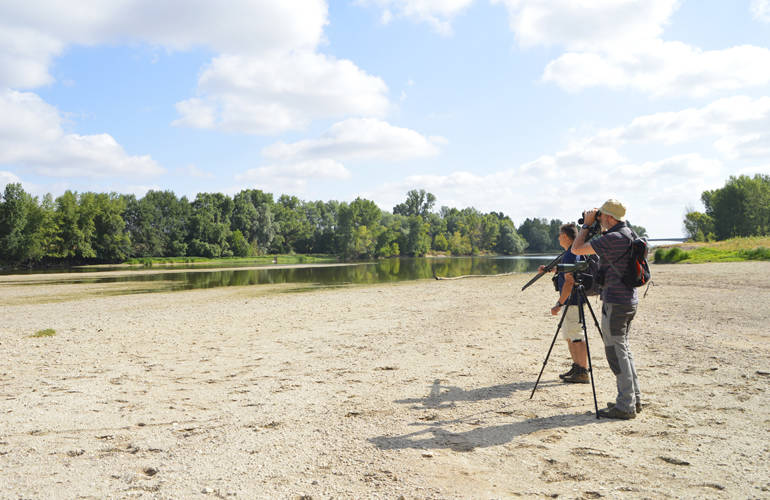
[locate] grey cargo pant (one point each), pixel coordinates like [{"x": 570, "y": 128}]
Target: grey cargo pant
[{"x": 616, "y": 320}]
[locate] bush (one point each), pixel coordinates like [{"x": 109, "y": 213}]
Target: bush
[
  {"x": 671, "y": 255},
  {"x": 759, "y": 253}
]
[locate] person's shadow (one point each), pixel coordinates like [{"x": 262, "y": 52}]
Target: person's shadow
[
  {"x": 445, "y": 396},
  {"x": 435, "y": 437}
]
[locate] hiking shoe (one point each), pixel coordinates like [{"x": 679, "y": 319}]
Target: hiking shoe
[
  {"x": 570, "y": 372},
  {"x": 638, "y": 406},
  {"x": 579, "y": 376},
  {"x": 615, "y": 413}
]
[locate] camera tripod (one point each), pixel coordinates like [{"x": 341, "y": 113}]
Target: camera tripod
[{"x": 577, "y": 292}]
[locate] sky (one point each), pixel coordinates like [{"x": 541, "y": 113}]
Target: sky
[{"x": 534, "y": 108}]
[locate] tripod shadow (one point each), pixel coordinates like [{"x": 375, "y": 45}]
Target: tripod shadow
[
  {"x": 437, "y": 438},
  {"x": 445, "y": 396}
]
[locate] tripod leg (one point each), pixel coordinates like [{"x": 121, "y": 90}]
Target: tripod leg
[
  {"x": 590, "y": 309},
  {"x": 584, "y": 298},
  {"x": 563, "y": 314}
]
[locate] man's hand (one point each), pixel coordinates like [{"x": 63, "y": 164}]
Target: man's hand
[
  {"x": 590, "y": 216},
  {"x": 541, "y": 269},
  {"x": 555, "y": 310}
]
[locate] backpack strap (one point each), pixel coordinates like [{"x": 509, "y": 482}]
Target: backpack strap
[{"x": 630, "y": 245}]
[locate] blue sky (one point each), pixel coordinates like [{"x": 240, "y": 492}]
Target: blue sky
[{"x": 536, "y": 108}]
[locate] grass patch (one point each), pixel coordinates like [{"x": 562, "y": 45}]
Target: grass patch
[
  {"x": 48, "y": 332},
  {"x": 732, "y": 250}
]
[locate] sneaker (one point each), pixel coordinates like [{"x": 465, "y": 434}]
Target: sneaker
[
  {"x": 579, "y": 376},
  {"x": 615, "y": 413},
  {"x": 638, "y": 406},
  {"x": 570, "y": 372}
]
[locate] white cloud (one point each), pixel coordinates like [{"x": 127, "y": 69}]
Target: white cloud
[
  {"x": 760, "y": 9},
  {"x": 280, "y": 92},
  {"x": 437, "y": 13},
  {"x": 668, "y": 185},
  {"x": 32, "y": 139},
  {"x": 193, "y": 171},
  {"x": 739, "y": 126},
  {"x": 318, "y": 169},
  {"x": 33, "y": 33},
  {"x": 661, "y": 68},
  {"x": 196, "y": 113},
  {"x": 294, "y": 177},
  {"x": 597, "y": 167},
  {"x": 295, "y": 164},
  {"x": 25, "y": 56},
  {"x": 267, "y": 76},
  {"x": 356, "y": 139},
  {"x": 8, "y": 178},
  {"x": 588, "y": 24},
  {"x": 753, "y": 170},
  {"x": 618, "y": 44}
]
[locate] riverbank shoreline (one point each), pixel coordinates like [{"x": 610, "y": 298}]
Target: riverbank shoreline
[
  {"x": 417, "y": 388},
  {"x": 68, "y": 276}
]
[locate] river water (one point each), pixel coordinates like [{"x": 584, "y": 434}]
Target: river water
[{"x": 313, "y": 276}]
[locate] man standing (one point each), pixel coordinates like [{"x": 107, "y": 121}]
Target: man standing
[
  {"x": 571, "y": 330},
  {"x": 619, "y": 302}
]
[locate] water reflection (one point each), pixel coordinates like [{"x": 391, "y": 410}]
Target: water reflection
[{"x": 388, "y": 270}]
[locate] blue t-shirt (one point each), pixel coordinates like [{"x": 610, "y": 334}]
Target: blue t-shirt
[
  {"x": 614, "y": 247},
  {"x": 568, "y": 258}
]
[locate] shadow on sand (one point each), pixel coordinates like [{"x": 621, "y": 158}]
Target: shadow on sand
[
  {"x": 445, "y": 396},
  {"x": 436, "y": 437}
]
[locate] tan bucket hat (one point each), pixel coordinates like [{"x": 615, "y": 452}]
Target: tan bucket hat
[{"x": 615, "y": 209}]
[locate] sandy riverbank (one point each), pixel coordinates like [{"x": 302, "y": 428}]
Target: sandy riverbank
[{"x": 417, "y": 389}]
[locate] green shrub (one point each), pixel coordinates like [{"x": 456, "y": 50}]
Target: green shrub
[
  {"x": 671, "y": 255},
  {"x": 759, "y": 253},
  {"x": 48, "y": 332}
]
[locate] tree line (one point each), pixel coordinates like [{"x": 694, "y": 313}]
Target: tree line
[
  {"x": 740, "y": 208},
  {"x": 108, "y": 228}
]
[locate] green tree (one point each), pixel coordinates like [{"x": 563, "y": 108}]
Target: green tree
[
  {"x": 440, "y": 243},
  {"x": 554, "y": 227},
  {"x": 452, "y": 219},
  {"x": 390, "y": 235},
  {"x": 157, "y": 224},
  {"x": 354, "y": 242},
  {"x": 436, "y": 226},
  {"x": 490, "y": 232},
  {"x": 75, "y": 227},
  {"x": 417, "y": 203},
  {"x": 470, "y": 226},
  {"x": 210, "y": 225},
  {"x": 254, "y": 216},
  {"x": 741, "y": 207},
  {"x": 238, "y": 244},
  {"x": 22, "y": 227},
  {"x": 293, "y": 226},
  {"x": 417, "y": 241},
  {"x": 510, "y": 242},
  {"x": 110, "y": 241},
  {"x": 324, "y": 236},
  {"x": 460, "y": 244},
  {"x": 537, "y": 233},
  {"x": 140, "y": 218},
  {"x": 698, "y": 225}
]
